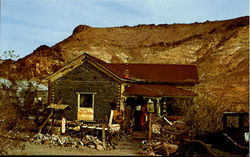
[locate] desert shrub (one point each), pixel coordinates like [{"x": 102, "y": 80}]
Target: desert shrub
[
  {"x": 28, "y": 105},
  {"x": 9, "y": 110},
  {"x": 15, "y": 106},
  {"x": 207, "y": 112},
  {"x": 180, "y": 106}
]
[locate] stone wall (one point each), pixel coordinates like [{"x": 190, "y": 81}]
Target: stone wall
[{"x": 86, "y": 78}]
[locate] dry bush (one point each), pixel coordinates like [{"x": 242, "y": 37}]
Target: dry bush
[
  {"x": 29, "y": 106},
  {"x": 8, "y": 116},
  {"x": 16, "y": 107},
  {"x": 8, "y": 107},
  {"x": 207, "y": 112},
  {"x": 180, "y": 106}
]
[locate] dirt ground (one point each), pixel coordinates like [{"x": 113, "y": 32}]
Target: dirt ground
[{"x": 124, "y": 148}]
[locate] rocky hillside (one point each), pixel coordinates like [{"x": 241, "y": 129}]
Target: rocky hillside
[{"x": 220, "y": 49}]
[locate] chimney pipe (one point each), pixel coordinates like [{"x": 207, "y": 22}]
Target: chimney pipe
[{"x": 126, "y": 71}]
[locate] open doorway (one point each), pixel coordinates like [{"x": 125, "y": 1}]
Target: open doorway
[{"x": 138, "y": 104}]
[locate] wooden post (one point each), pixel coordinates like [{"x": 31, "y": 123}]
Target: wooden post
[
  {"x": 103, "y": 136},
  {"x": 107, "y": 136},
  {"x": 111, "y": 117},
  {"x": 158, "y": 107},
  {"x": 149, "y": 127},
  {"x": 44, "y": 123},
  {"x": 53, "y": 119},
  {"x": 106, "y": 122}
]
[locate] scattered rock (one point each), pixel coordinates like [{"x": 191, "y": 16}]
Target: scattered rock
[
  {"x": 169, "y": 148},
  {"x": 46, "y": 142},
  {"x": 91, "y": 146},
  {"x": 155, "y": 148},
  {"x": 68, "y": 141},
  {"x": 99, "y": 147}
]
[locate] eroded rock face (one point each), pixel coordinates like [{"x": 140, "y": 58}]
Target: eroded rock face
[
  {"x": 220, "y": 49},
  {"x": 80, "y": 28}
]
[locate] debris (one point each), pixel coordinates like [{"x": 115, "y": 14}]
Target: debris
[
  {"x": 166, "y": 135},
  {"x": 156, "y": 128},
  {"x": 176, "y": 132},
  {"x": 56, "y": 130},
  {"x": 144, "y": 142},
  {"x": 114, "y": 128},
  {"x": 169, "y": 148},
  {"x": 167, "y": 121},
  {"x": 99, "y": 147},
  {"x": 46, "y": 142},
  {"x": 69, "y": 141},
  {"x": 155, "y": 148}
]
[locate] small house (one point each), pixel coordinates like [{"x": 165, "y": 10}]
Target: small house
[{"x": 92, "y": 87}]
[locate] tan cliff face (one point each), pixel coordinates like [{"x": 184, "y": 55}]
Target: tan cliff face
[{"x": 220, "y": 49}]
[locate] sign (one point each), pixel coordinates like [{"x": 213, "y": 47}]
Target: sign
[
  {"x": 63, "y": 125},
  {"x": 86, "y": 114}
]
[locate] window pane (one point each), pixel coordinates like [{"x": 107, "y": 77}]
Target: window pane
[
  {"x": 85, "y": 100},
  {"x": 233, "y": 121}
]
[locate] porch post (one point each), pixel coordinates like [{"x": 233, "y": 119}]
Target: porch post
[
  {"x": 149, "y": 126},
  {"x": 158, "y": 106},
  {"x": 122, "y": 97}
]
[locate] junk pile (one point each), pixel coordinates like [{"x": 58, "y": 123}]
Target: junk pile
[
  {"x": 69, "y": 141},
  {"x": 173, "y": 131},
  {"x": 166, "y": 135},
  {"x": 113, "y": 128},
  {"x": 156, "y": 148}
]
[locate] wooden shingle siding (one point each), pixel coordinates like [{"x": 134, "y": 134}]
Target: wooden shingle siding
[{"x": 86, "y": 78}]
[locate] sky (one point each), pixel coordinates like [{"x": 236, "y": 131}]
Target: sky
[{"x": 27, "y": 24}]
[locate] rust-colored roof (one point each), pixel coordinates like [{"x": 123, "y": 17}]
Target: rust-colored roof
[
  {"x": 156, "y": 90},
  {"x": 144, "y": 73},
  {"x": 163, "y": 73}
]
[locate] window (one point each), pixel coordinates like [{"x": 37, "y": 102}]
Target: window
[{"x": 85, "y": 99}]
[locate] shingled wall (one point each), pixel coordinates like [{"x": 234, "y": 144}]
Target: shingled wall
[{"x": 86, "y": 78}]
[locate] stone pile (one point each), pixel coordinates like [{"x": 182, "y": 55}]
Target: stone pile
[
  {"x": 156, "y": 148},
  {"x": 68, "y": 141}
]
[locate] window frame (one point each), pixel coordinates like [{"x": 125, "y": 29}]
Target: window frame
[{"x": 79, "y": 99}]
